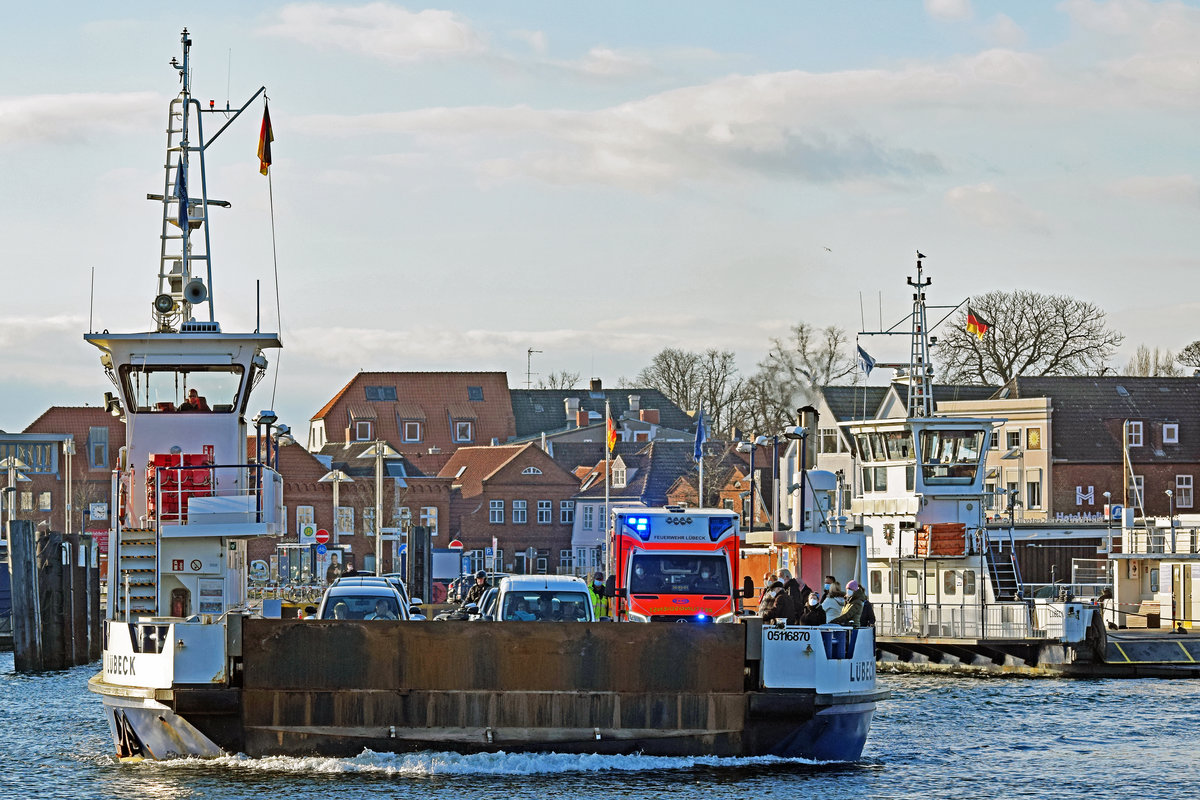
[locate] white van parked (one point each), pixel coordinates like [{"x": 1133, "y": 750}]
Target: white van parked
[{"x": 543, "y": 598}]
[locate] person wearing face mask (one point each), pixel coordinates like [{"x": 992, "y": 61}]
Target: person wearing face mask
[
  {"x": 829, "y": 582},
  {"x": 706, "y": 582},
  {"x": 813, "y": 613},
  {"x": 599, "y": 601},
  {"x": 642, "y": 582},
  {"x": 797, "y": 591}
]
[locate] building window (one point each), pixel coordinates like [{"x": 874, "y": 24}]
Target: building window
[
  {"x": 519, "y": 513},
  {"x": 545, "y": 512},
  {"x": 727, "y": 504},
  {"x": 1033, "y": 494},
  {"x": 345, "y": 520},
  {"x": 618, "y": 477},
  {"x": 368, "y": 519},
  {"x": 44, "y": 501},
  {"x": 566, "y": 512},
  {"x": 412, "y": 431},
  {"x": 531, "y": 471},
  {"x": 429, "y": 519},
  {"x": 304, "y": 516},
  {"x": 496, "y": 512},
  {"x": 828, "y": 440},
  {"x": 989, "y": 495},
  {"x": 1014, "y": 438},
  {"x": 462, "y": 431},
  {"x": 384, "y": 393},
  {"x": 1170, "y": 433},
  {"x": 98, "y": 448},
  {"x": 1183, "y": 491},
  {"x": 1139, "y": 483},
  {"x": 475, "y": 394},
  {"x": 403, "y": 517},
  {"x": 565, "y": 564},
  {"x": 994, "y": 440},
  {"x": 1033, "y": 439},
  {"x": 543, "y": 561},
  {"x": 589, "y": 514},
  {"x": 1133, "y": 433},
  {"x": 362, "y": 430}
]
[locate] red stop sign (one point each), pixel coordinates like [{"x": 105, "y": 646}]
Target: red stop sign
[
  {"x": 322, "y": 536},
  {"x": 456, "y": 545}
]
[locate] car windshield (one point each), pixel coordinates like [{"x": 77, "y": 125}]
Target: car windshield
[
  {"x": 545, "y": 606},
  {"x": 352, "y": 606},
  {"x": 675, "y": 574}
]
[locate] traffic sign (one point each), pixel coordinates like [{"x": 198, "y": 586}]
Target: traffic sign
[
  {"x": 321, "y": 549},
  {"x": 1117, "y": 511},
  {"x": 456, "y": 545},
  {"x": 487, "y": 552},
  {"x": 322, "y": 538}
]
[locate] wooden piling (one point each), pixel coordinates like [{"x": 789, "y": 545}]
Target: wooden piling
[{"x": 27, "y": 648}]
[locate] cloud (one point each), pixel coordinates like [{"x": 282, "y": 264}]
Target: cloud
[
  {"x": 989, "y": 207},
  {"x": 1002, "y": 31},
  {"x": 535, "y": 39},
  {"x": 948, "y": 9},
  {"x": 378, "y": 30},
  {"x": 1170, "y": 189},
  {"x": 74, "y": 118}
]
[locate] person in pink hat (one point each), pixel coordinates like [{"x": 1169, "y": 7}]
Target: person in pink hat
[{"x": 851, "y": 615}]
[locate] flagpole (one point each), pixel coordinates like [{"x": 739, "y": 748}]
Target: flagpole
[
  {"x": 608, "y": 560},
  {"x": 701, "y": 435}
]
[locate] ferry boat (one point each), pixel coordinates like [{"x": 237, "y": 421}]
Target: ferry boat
[
  {"x": 189, "y": 669},
  {"x": 947, "y": 583}
]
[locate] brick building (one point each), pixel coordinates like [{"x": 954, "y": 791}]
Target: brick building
[{"x": 518, "y": 495}]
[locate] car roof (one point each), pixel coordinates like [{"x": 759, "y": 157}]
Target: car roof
[
  {"x": 517, "y": 582},
  {"x": 362, "y": 590}
]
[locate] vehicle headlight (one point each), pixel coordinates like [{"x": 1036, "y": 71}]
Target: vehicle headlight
[
  {"x": 726, "y": 618},
  {"x": 635, "y": 617}
]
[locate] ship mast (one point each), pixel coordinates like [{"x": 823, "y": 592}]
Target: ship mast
[{"x": 920, "y": 369}]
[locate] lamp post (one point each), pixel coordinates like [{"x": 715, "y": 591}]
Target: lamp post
[
  {"x": 750, "y": 447},
  {"x": 1108, "y": 519},
  {"x": 380, "y": 450},
  {"x": 337, "y": 478},
  {"x": 13, "y": 465},
  {"x": 1171, "y": 515},
  {"x": 800, "y": 432},
  {"x": 68, "y": 453}
]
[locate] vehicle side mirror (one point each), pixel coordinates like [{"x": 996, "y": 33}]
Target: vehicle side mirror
[
  {"x": 415, "y": 611},
  {"x": 747, "y": 587},
  {"x": 610, "y": 586},
  {"x": 416, "y": 601},
  {"x": 472, "y": 608}
]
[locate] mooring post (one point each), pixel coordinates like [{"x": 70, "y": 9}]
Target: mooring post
[
  {"x": 27, "y": 645},
  {"x": 94, "y": 616},
  {"x": 51, "y": 614}
]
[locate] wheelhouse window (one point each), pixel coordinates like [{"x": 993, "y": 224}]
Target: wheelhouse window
[
  {"x": 173, "y": 388},
  {"x": 950, "y": 456},
  {"x": 899, "y": 445}
]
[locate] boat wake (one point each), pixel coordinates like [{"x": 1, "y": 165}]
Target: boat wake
[{"x": 439, "y": 763}]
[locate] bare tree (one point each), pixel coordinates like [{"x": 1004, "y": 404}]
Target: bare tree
[
  {"x": 692, "y": 381},
  {"x": 1190, "y": 355},
  {"x": 559, "y": 380},
  {"x": 1030, "y": 334},
  {"x": 793, "y": 371},
  {"x": 1147, "y": 363}
]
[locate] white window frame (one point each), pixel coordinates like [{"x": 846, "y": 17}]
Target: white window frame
[
  {"x": 1171, "y": 433},
  {"x": 545, "y": 511},
  {"x": 412, "y": 430},
  {"x": 531, "y": 471},
  {"x": 1029, "y": 491},
  {"x": 368, "y": 520},
  {"x": 589, "y": 515},
  {"x": 45, "y": 501},
  {"x": 344, "y": 522},
  {"x": 618, "y": 477},
  {"x": 1009, "y": 434},
  {"x": 429, "y": 519},
  {"x": 520, "y": 512},
  {"x": 496, "y": 512},
  {"x": 362, "y": 430},
  {"x": 1139, "y": 490},
  {"x": 404, "y": 518},
  {"x": 566, "y": 512},
  {"x": 464, "y": 430},
  {"x": 1133, "y": 433},
  {"x": 1183, "y": 491}
]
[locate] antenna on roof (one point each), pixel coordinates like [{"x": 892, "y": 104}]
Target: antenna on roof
[{"x": 528, "y": 366}]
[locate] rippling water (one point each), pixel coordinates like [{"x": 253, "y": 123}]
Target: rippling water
[{"x": 937, "y": 738}]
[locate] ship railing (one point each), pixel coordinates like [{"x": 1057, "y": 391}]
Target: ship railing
[
  {"x": 229, "y": 495},
  {"x": 1161, "y": 541},
  {"x": 1007, "y": 620}
]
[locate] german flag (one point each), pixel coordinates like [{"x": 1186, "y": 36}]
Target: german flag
[
  {"x": 976, "y": 324},
  {"x": 610, "y": 436},
  {"x": 265, "y": 137}
]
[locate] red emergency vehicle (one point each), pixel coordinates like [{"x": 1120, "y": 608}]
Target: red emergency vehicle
[{"x": 676, "y": 565}]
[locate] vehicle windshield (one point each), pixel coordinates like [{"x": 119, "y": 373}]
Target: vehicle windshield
[
  {"x": 192, "y": 388},
  {"x": 545, "y": 606},
  {"x": 652, "y": 573},
  {"x": 351, "y": 606}
]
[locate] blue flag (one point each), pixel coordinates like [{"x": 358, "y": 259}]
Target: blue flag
[
  {"x": 701, "y": 438},
  {"x": 865, "y": 361},
  {"x": 181, "y": 194}
]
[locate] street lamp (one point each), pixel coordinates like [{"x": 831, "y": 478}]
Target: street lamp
[
  {"x": 68, "y": 452},
  {"x": 14, "y": 466},
  {"x": 800, "y": 432},
  {"x": 337, "y": 478},
  {"x": 1108, "y": 518},
  {"x": 1171, "y": 515},
  {"x": 750, "y": 447},
  {"x": 380, "y": 450}
]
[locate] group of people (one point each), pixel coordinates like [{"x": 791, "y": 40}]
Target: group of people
[{"x": 784, "y": 598}]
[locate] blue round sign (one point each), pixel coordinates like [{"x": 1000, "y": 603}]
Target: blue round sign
[{"x": 321, "y": 549}]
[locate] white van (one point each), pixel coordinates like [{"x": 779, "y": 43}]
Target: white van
[{"x": 543, "y": 598}]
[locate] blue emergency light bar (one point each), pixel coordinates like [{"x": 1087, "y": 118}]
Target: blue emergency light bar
[{"x": 640, "y": 526}]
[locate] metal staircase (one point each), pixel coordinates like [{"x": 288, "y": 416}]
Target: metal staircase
[
  {"x": 138, "y": 554},
  {"x": 1003, "y": 571}
]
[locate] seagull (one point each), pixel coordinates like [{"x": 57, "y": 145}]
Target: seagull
[
  {"x": 920, "y": 254},
  {"x": 829, "y": 249}
]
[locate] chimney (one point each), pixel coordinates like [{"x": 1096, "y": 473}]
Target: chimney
[
  {"x": 581, "y": 418},
  {"x": 572, "y": 404},
  {"x": 495, "y": 442},
  {"x": 597, "y": 386},
  {"x": 635, "y": 401},
  {"x": 649, "y": 415}
]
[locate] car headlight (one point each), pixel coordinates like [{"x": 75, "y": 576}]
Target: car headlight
[
  {"x": 726, "y": 618},
  {"x": 635, "y": 617}
]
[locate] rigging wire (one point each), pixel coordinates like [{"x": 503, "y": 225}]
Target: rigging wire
[{"x": 275, "y": 266}]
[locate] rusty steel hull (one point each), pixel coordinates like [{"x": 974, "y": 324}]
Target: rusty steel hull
[{"x": 336, "y": 688}]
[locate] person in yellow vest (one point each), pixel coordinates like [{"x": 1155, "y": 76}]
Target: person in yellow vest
[{"x": 599, "y": 601}]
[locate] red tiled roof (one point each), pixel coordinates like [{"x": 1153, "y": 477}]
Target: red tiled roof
[{"x": 480, "y": 463}]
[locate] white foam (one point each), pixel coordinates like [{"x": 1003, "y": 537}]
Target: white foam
[{"x": 435, "y": 763}]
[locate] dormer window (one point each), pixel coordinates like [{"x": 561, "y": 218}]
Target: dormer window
[
  {"x": 1171, "y": 433},
  {"x": 362, "y": 430},
  {"x": 463, "y": 430},
  {"x": 1133, "y": 433},
  {"x": 618, "y": 475},
  {"x": 412, "y": 431},
  {"x": 475, "y": 394}
]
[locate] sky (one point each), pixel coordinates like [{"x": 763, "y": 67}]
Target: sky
[{"x": 454, "y": 185}]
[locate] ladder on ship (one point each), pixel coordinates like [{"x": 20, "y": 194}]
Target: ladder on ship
[
  {"x": 1003, "y": 570},
  {"x": 138, "y": 565}
]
